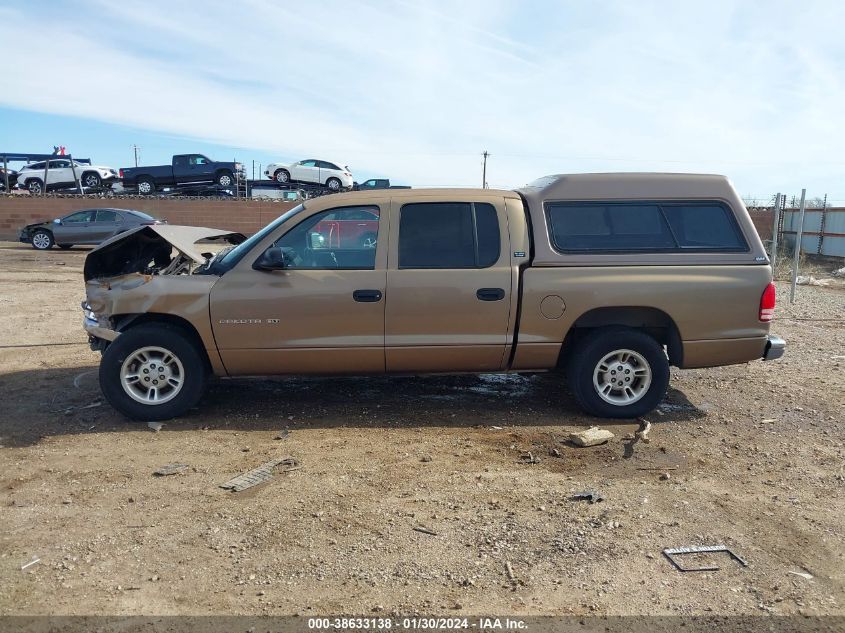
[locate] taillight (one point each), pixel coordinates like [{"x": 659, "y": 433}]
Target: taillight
[
  {"x": 767, "y": 303},
  {"x": 121, "y": 172}
]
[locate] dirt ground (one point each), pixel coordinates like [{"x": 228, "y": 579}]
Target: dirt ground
[{"x": 754, "y": 456}]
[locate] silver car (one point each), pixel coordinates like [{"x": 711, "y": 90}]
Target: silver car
[{"x": 88, "y": 226}]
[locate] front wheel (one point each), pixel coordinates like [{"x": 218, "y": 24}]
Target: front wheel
[
  {"x": 282, "y": 176},
  {"x": 618, "y": 373},
  {"x": 225, "y": 179},
  {"x": 153, "y": 372},
  {"x": 35, "y": 186},
  {"x": 91, "y": 180},
  {"x": 42, "y": 240}
]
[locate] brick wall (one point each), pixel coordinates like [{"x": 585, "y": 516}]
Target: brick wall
[
  {"x": 243, "y": 216},
  {"x": 763, "y": 219}
]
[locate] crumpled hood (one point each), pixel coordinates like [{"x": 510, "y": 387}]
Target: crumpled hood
[{"x": 134, "y": 250}]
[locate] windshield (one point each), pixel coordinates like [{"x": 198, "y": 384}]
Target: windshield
[{"x": 222, "y": 264}]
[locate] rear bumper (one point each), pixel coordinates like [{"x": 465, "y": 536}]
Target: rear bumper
[{"x": 775, "y": 348}]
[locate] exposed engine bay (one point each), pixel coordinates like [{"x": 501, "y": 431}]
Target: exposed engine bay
[{"x": 155, "y": 250}]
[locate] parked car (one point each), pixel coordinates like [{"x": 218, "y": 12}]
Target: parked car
[
  {"x": 319, "y": 172},
  {"x": 13, "y": 178},
  {"x": 60, "y": 175},
  {"x": 376, "y": 183},
  {"x": 88, "y": 226},
  {"x": 184, "y": 169},
  {"x": 611, "y": 276}
]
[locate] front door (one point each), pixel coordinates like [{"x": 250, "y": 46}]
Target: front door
[
  {"x": 306, "y": 171},
  {"x": 75, "y": 228},
  {"x": 449, "y": 286},
  {"x": 323, "y": 313}
]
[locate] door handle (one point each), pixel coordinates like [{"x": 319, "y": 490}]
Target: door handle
[
  {"x": 490, "y": 294},
  {"x": 367, "y": 296}
]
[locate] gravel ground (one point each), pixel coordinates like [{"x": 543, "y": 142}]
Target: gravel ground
[{"x": 750, "y": 456}]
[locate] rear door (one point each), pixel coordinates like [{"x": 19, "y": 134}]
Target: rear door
[
  {"x": 449, "y": 286},
  {"x": 106, "y": 224}
]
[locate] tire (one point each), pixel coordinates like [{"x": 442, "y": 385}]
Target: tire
[
  {"x": 144, "y": 351},
  {"x": 225, "y": 179},
  {"x": 146, "y": 186},
  {"x": 91, "y": 180},
  {"x": 42, "y": 240},
  {"x": 64, "y": 247},
  {"x": 334, "y": 184},
  {"x": 35, "y": 186},
  {"x": 596, "y": 360},
  {"x": 368, "y": 240},
  {"x": 282, "y": 176}
]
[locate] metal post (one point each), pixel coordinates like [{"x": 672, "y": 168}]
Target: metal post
[
  {"x": 44, "y": 184},
  {"x": 776, "y": 215},
  {"x": 75, "y": 177},
  {"x": 6, "y": 173},
  {"x": 798, "y": 236},
  {"x": 822, "y": 227},
  {"x": 135, "y": 149},
  {"x": 484, "y": 171}
]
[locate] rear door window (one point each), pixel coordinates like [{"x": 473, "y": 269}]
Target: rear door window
[
  {"x": 106, "y": 215},
  {"x": 626, "y": 227},
  {"x": 704, "y": 226},
  {"x": 448, "y": 235}
]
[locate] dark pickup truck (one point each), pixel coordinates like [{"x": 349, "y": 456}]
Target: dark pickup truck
[
  {"x": 186, "y": 169},
  {"x": 376, "y": 183}
]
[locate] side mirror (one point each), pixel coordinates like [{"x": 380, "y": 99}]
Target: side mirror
[
  {"x": 57, "y": 221},
  {"x": 271, "y": 259}
]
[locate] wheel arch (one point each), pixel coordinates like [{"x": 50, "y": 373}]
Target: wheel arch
[
  {"x": 124, "y": 322},
  {"x": 653, "y": 321}
]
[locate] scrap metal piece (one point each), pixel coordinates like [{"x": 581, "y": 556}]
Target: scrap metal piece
[
  {"x": 169, "y": 469},
  {"x": 589, "y": 495},
  {"x": 671, "y": 552},
  {"x": 257, "y": 475}
]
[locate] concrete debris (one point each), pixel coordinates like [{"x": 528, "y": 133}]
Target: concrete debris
[
  {"x": 591, "y": 437},
  {"x": 642, "y": 434},
  {"x": 170, "y": 469},
  {"x": 802, "y": 574},
  {"x": 587, "y": 495},
  {"x": 259, "y": 475},
  {"x": 426, "y": 458},
  {"x": 529, "y": 458},
  {"x": 840, "y": 272},
  {"x": 809, "y": 280},
  {"x": 283, "y": 435},
  {"x": 155, "y": 426},
  {"x": 510, "y": 572}
]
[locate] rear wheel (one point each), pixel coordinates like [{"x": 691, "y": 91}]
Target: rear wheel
[
  {"x": 35, "y": 186},
  {"x": 282, "y": 176},
  {"x": 618, "y": 373},
  {"x": 153, "y": 372},
  {"x": 146, "y": 186},
  {"x": 333, "y": 184},
  {"x": 42, "y": 240}
]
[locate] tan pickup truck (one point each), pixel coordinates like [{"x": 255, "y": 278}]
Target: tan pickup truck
[{"x": 609, "y": 277}]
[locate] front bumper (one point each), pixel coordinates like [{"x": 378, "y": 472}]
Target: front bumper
[
  {"x": 94, "y": 328},
  {"x": 775, "y": 348}
]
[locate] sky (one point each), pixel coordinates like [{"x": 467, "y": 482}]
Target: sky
[{"x": 416, "y": 91}]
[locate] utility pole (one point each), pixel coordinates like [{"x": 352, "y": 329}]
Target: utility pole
[
  {"x": 135, "y": 149},
  {"x": 484, "y": 170}
]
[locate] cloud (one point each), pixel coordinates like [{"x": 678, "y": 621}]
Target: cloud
[{"x": 417, "y": 91}]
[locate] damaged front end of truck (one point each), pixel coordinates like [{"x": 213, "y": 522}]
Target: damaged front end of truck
[{"x": 159, "y": 271}]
